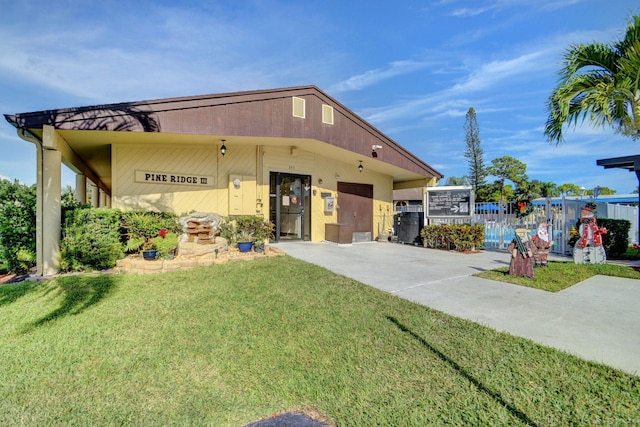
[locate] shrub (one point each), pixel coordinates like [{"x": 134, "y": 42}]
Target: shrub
[
  {"x": 461, "y": 237},
  {"x": 91, "y": 239},
  {"x": 17, "y": 225},
  {"x": 616, "y": 240}
]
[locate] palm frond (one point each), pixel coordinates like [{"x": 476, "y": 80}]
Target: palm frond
[
  {"x": 601, "y": 83},
  {"x": 580, "y": 57}
]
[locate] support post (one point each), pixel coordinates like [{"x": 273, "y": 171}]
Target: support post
[
  {"x": 95, "y": 197},
  {"x": 48, "y": 211},
  {"x": 81, "y": 188}
]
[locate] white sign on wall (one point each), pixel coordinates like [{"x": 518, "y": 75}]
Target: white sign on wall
[{"x": 174, "y": 179}]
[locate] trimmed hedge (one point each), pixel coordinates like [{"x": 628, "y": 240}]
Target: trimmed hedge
[{"x": 460, "y": 237}]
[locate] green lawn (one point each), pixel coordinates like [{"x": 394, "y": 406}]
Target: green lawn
[
  {"x": 560, "y": 275},
  {"x": 233, "y": 343}
]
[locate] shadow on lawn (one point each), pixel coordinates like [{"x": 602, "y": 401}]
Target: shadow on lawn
[
  {"x": 12, "y": 292},
  {"x": 460, "y": 370},
  {"x": 79, "y": 293}
]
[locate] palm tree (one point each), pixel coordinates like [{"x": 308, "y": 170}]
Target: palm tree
[{"x": 601, "y": 82}]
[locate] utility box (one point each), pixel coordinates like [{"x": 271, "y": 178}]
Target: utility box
[
  {"x": 407, "y": 227},
  {"x": 338, "y": 233},
  {"x": 329, "y": 205}
]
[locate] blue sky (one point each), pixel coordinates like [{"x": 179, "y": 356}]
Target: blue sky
[{"x": 411, "y": 68}]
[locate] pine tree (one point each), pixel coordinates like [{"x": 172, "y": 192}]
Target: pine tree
[{"x": 474, "y": 153}]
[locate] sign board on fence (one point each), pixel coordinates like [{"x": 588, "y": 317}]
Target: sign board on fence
[{"x": 448, "y": 202}]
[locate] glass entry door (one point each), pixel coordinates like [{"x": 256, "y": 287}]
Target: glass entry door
[{"x": 289, "y": 205}]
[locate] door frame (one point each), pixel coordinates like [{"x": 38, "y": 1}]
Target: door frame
[{"x": 276, "y": 199}]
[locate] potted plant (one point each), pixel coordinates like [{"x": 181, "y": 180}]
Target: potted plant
[
  {"x": 163, "y": 245},
  {"x": 263, "y": 232},
  {"x": 246, "y": 231},
  {"x": 150, "y": 250},
  {"x": 245, "y": 240},
  {"x": 166, "y": 243},
  {"x": 149, "y": 232}
]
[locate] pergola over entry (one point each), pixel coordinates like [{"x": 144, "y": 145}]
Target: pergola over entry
[{"x": 630, "y": 163}]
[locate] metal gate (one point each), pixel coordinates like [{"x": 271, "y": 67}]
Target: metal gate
[{"x": 500, "y": 222}]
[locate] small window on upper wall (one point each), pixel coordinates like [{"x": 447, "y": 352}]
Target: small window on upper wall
[
  {"x": 298, "y": 107},
  {"x": 327, "y": 114}
]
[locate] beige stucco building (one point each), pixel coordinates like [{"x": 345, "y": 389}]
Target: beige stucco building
[{"x": 294, "y": 155}]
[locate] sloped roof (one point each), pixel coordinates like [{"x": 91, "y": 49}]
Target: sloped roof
[{"x": 251, "y": 116}]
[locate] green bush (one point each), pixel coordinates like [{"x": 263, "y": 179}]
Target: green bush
[
  {"x": 461, "y": 237},
  {"x": 616, "y": 240},
  {"x": 91, "y": 239},
  {"x": 17, "y": 225}
]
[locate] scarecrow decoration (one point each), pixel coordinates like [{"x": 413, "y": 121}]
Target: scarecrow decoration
[
  {"x": 521, "y": 249},
  {"x": 542, "y": 243},
  {"x": 588, "y": 249}
]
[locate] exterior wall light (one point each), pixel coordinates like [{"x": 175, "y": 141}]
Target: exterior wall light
[
  {"x": 360, "y": 167},
  {"x": 223, "y": 149}
]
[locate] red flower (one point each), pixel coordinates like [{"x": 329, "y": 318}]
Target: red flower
[{"x": 162, "y": 232}]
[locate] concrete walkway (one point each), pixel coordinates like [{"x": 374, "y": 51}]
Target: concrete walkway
[{"x": 598, "y": 319}]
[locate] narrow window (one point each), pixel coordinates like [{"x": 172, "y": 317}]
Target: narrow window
[
  {"x": 298, "y": 107},
  {"x": 327, "y": 114}
]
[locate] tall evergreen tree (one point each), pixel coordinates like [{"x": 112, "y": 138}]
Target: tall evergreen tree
[{"x": 474, "y": 153}]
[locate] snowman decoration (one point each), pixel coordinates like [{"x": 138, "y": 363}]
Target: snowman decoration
[{"x": 588, "y": 249}]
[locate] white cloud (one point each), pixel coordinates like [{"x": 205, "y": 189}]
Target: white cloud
[
  {"x": 169, "y": 52},
  {"x": 466, "y": 12},
  {"x": 499, "y": 5},
  {"x": 495, "y": 72},
  {"x": 371, "y": 77},
  {"x": 454, "y": 100}
]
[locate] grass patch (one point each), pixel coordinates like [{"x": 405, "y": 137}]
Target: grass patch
[
  {"x": 560, "y": 275},
  {"x": 233, "y": 343}
]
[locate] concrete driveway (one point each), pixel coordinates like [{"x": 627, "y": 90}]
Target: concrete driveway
[{"x": 598, "y": 319}]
